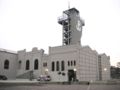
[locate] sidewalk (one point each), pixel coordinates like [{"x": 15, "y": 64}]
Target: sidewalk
[
  {"x": 35, "y": 82},
  {"x": 18, "y": 81}
]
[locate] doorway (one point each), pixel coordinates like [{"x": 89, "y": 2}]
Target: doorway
[{"x": 71, "y": 75}]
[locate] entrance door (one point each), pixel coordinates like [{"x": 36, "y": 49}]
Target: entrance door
[{"x": 71, "y": 75}]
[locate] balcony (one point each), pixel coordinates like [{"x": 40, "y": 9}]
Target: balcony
[{"x": 63, "y": 19}]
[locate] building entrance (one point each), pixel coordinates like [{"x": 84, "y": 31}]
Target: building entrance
[{"x": 71, "y": 75}]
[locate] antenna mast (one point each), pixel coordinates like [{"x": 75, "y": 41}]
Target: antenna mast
[{"x": 68, "y": 4}]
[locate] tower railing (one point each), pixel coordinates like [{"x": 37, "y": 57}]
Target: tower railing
[{"x": 63, "y": 19}]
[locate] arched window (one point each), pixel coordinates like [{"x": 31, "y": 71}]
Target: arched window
[
  {"x": 20, "y": 63},
  {"x": 36, "y": 64},
  {"x": 6, "y": 64},
  {"x": 62, "y": 66},
  {"x": 68, "y": 63},
  {"x": 57, "y": 66},
  {"x": 27, "y": 65},
  {"x": 53, "y": 66}
]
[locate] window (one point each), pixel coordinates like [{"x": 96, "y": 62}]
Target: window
[
  {"x": 6, "y": 64},
  {"x": 68, "y": 63},
  {"x": 62, "y": 66},
  {"x": 36, "y": 64},
  {"x": 53, "y": 66},
  {"x": 45, "y": 64},
  {"x": 99, "y": 57},
  {"x": 71, "y": 63},
  {"x": 74, "y": 63},
  {"x": 57, "y": 66},
  {"x": 27, "y": 65},
  {"x": 20, "y": 63}
]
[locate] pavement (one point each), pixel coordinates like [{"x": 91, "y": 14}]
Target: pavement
[
  {"x": 25, "y": 84},
  {"x": 19, "y": 81},
  {"x": 34, "y": 81},
  {"x": 61, "y": 87}
]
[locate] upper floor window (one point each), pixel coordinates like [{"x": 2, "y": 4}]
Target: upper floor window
[
  {"x": 27, "y": 65},
  {"x": 57, "y": 66},
  {"x": 45, "y": 64},
  {"x": 74, "y": 63},
  {"x": 99, "y": 57},
  {"x": 62, "y": 65},
  {"x": 71, "y": 63},
  {"x": 68, "y": 63},
  {"x": 53, "y": 66},
  {"x": 36, "y": 64},
  {"x": 20, "y": 63},
  {"x": 6, "y": 64}
]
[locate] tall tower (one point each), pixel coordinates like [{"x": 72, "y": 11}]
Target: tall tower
[{"x": 72, "y": 26}]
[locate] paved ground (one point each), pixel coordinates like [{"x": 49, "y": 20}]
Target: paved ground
[{"x": 61, "y": 87}]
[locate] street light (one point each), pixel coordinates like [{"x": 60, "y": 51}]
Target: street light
[
  {"x": 75, "y": 69},
  {"x": 74, "y": 74},
  {"x": 46, "y": 71},
  {"x": 105, "y": 69}
]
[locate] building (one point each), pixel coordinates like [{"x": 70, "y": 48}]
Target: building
[
  {"x": 8, "y": 63},
  {"x": 68, "y": 62},
  {"x": 104, "y": 67}
]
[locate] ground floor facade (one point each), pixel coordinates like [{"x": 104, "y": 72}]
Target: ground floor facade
[{"x": 62, "y": 63}]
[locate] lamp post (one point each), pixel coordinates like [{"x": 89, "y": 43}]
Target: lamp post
[
  {"x": 75, "y": 74},
  {"x": 105, "y": 73},
  {"x": 105, "y": 69},
  {"x": 75, "y": 69},
  {"x": 46, "y": 71}
]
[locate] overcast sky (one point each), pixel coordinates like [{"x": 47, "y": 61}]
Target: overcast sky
[{"x": 25, "y": 24}]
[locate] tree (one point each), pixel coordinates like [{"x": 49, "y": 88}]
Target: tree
[
  {"x": 118, "y": 64},
  {"x": 115, "y": 72}
]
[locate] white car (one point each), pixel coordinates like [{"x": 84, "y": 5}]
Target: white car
[{"x": 44, "y": 78}]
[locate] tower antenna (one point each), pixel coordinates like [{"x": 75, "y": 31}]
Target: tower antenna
[{"x": 68, "y": 4}]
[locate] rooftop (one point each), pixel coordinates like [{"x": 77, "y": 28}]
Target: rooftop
[{"x": 8, "y": 51}]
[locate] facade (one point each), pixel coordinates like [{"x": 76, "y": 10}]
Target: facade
[
  {"x": 79, "y": 63},
  {"x": 68, "y": 62},
  {"x": 8, "y": 63},
  {"x": 104, "y": 64}
]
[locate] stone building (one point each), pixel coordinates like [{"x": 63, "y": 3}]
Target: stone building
[
  {"x": 8, "y": 63},
  {"x": 68, "y": 62}
]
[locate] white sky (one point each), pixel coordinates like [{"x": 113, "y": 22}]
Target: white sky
[{"x": 25, "y": 24}]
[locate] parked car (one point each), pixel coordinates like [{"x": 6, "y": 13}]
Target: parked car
[
  {"x": 44, "y": 78},
  {"x": 3, "y": 77}
]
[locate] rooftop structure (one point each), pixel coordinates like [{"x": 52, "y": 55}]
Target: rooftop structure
[{"x": 72, "y": 26}]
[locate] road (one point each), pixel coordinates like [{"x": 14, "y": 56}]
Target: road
[{"x": 61, "y": 87}]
